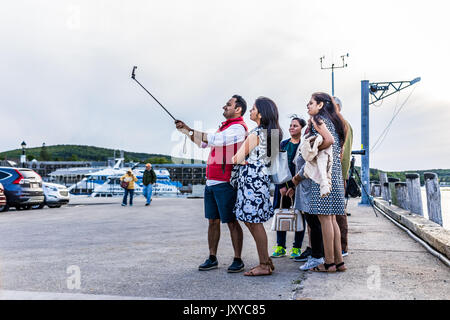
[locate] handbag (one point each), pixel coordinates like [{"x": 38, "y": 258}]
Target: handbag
[
  {"x": 124, "y": 184},
  {"x": 279, "y": 168},
  {"x": 287, "y": 219}
]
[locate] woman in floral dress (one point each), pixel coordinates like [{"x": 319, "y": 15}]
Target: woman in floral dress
[{"x": 253, "y": 205}]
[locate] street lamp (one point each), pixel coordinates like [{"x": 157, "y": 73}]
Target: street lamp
[{"x": 22, "y": 157}]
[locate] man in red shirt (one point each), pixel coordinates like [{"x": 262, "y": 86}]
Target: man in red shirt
[{"x": 220, "y": 196}]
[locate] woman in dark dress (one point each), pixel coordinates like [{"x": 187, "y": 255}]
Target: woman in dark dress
[{"x": 326, "y": 122}]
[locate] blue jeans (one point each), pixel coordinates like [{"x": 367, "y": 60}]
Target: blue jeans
[
  {"x": 128, "y": 191},
  {"x": 147, "y": 192},
  {"x": 298, "y": 238}
]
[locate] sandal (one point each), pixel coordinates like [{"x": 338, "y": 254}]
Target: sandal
[
  {"x": 272, "y": 267},
  {"x": 326, "y": 267},
  {"x": 341, "y": 267},
  {"x": 259, "y": 271}
]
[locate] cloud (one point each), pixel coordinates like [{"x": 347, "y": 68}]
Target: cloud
[{"x": 67, "y": 73}]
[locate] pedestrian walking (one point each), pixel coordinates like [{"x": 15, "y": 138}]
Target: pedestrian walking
[
  {"x": 326, "y": 122},
  {"x": 220, "y": 196},
  {"x": 290, "y": 146},
  {"x": 148, "y": 179},
  {"x": 345, "y": 161},
  {"x": 129, "y": 178},
  {"x": 253, "y": 205}
]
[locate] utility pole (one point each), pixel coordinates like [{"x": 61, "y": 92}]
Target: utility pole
[
  {"x": 378, "y": 91},
  {"x": 365, "y": 176},
  {"x": 332, "y": 69}
]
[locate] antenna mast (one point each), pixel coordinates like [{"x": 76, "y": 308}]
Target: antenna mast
[{"x": 332, "y": 69}]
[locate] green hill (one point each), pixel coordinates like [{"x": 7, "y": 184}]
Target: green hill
[
  {"x": 443, "y": 174},
  {"x": 85, "y": 153}
]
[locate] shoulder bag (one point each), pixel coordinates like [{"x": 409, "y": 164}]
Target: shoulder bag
[
  {"x": 279, "y": 168},
  {"x": 287, "y": 219},
  {"x": 124, "y": 184}
]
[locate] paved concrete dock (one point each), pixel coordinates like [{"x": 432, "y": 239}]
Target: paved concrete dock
[{"x": 153, "y": 253}]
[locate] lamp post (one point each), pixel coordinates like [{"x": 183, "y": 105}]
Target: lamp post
[{"x": 23, "y": 158}]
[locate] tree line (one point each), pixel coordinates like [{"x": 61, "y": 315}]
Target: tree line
[
  {"x": 443, "y": 174},
  {"x": 82, "y": 153}
]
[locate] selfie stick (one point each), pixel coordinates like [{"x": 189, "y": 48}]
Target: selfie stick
[{"x": 133, "y": 76}]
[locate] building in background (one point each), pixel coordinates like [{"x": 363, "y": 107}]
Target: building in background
[
  {"x": 44, "y": 168},
  {"x": 186, "y": 174}
]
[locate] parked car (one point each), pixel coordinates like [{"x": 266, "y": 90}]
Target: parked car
[
  {"x": 23, "y": 187},
  {"x": 2, "y": 198},
  {"x": 56, "y": 195}
]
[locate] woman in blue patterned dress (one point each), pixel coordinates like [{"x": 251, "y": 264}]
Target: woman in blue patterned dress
[
  {"x": 253, "y": 205},
  {"x": 326, "y": 122}
]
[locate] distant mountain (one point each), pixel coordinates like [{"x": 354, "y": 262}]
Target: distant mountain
[{"x": 85, "y": 153}]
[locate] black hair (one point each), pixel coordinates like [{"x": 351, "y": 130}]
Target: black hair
[
  {"x": 269, "y": 120},
  {"x": 240, "y": 102},
  {"x": 301, "y": 121},
  {"x": 329, "y": 111}
]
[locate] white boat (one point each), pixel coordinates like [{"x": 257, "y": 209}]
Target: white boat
[
  {"x": 96, "y": 178},
  {"x": 106, "y": 182},
  {"x": 111, "y": 187}
]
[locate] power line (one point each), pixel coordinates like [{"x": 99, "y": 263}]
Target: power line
[
  {"x": 383, "y": 135},
  {"x": 385, "y": 132},
  {"x": 373, "y": 103},
  {"x": 388, "y": 127}
]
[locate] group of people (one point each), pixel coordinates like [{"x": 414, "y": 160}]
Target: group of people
[
  {"x": 238, "y": 182},
  {"x": 148, "y": 180}
]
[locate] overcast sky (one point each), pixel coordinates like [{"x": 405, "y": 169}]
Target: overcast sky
[{"x": 65, "y": 70}]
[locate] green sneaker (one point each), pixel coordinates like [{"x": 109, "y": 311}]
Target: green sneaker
[
  {"x": 279, "y": 252},
  {"x": 295, "y": 252}
]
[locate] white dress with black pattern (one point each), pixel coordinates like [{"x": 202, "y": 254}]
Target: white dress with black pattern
[
  {"x": 252, "y": 181},
  {"x": 334, "y": 203}
]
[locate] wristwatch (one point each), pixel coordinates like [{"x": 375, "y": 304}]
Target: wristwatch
[{"x": 191, "y": 132}]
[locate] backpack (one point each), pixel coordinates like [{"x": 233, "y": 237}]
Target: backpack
[{"x": 353, "y": 189}]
